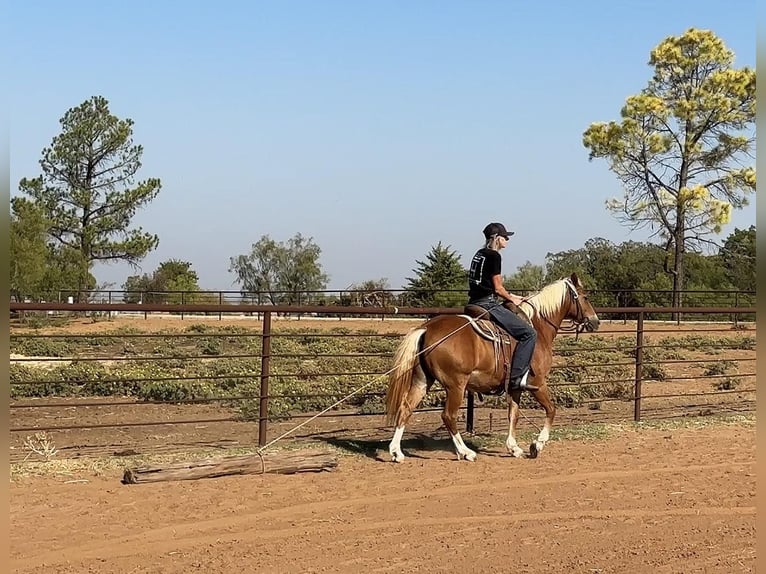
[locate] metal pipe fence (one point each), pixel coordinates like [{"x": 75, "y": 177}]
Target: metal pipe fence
[
  {"x": 352, "y": 297},
  {"x": 281, "y": 371}
]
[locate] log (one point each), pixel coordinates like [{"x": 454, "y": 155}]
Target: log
[{"x": 289, "y": 462}]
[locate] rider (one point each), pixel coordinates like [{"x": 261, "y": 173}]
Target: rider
[{"x": 485, "y": 289}]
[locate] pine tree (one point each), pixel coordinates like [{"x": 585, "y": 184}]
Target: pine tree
[{"x": 440, "y": 280}]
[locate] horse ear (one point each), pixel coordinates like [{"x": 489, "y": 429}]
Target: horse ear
[{"x": 575, "y": 280}]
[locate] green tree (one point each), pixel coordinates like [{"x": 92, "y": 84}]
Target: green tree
[
  {"x": 439, "y": 281},
  {"x": 681, "y": 146},
  {"x": 87, "y": 188},
  {"x": 637, "y": 278},
  {"x": 611, "y": 272},
  {"x": 170, "y": 275},
  {"x": 738, "y": 258},
  {"x": 28, "y": 249},
  {"x": 526, "y": 279},
  {"x": 705, "y": 278},
  {"x": 583, "y": 261},
  {"x": 64, "y": 274},
  {"x": 40, "y": 269},
  {"x": 281, "y": 271}
]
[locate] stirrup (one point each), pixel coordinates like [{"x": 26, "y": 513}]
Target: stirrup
[{"x": 523, "y": 385}]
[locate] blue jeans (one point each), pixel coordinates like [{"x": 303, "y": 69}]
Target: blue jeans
[{"x": 523, "y": 332}]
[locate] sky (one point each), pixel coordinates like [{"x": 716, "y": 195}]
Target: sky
[{"x": 376, "y": 128}]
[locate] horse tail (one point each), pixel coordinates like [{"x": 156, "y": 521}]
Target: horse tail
[{"x": 400, "y": 378}]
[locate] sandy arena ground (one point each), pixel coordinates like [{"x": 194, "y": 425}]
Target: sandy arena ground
[{"x": 653, "y": 500}]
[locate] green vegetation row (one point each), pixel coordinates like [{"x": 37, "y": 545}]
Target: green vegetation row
[{"x": 310, "y": 370}]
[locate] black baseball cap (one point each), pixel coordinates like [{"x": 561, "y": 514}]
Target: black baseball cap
[{"x": 497, "y": 229}]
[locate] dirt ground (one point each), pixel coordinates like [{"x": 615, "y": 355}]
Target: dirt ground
[{"x": 648, "y": 500}]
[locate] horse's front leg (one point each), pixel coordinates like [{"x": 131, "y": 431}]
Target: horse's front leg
[
  {"x": 513, "y": 417},
  {"x": 543, "y": 397}
]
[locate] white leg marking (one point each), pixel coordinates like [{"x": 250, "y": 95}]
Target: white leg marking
[
  {"x": 395, "y": 447},
  {"x": 462, "y": 450},
  {"x": 513, "y": 447},
  {"x": 543, "y": 437}
]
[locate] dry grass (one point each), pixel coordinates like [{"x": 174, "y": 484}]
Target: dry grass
[{"x": 78, "y": 470}]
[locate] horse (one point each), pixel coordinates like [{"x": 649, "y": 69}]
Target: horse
[{"x": 466, "y": 354}]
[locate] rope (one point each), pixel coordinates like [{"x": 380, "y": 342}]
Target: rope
[
  {"x": 530, "y": 421},
  {"x": 351, "y": 394}
]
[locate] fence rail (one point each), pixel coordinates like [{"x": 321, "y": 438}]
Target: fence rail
[
  {"x": 401, "y": 297},
  {"x": 280, "y": 364},
  {"x": 368, "y": 296}
]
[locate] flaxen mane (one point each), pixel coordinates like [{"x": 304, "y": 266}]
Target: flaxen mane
[{"x": 546, "y": 301}]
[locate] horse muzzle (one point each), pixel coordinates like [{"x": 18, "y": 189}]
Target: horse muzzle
[{"x": 591, "y": 324}]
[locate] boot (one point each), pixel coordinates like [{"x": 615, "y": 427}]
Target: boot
[{"x": 520, "y": 383}]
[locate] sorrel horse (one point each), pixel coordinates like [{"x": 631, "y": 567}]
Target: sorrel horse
[{"x": 451, "y": 349}]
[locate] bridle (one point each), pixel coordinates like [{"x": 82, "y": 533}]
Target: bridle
[{"x": 579, "y": 323}]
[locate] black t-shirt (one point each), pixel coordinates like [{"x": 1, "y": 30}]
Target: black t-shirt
[{"x": 484, "y": 265}]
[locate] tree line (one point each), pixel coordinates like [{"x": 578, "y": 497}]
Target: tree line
[
  {"x": 682, "y": 152},
  {"x": 291, "y": 273}
]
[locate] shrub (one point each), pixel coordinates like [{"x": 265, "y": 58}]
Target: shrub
[
  {"x": 80, "y": 371},
  {"x": 197, "y": 328},
  {"x": 654, "y": 372},
  {"x": 109, "y": 387},
  {"x": 24, "y": 374},
  {"x": 33, "y": 347},
  {"x": 719, "y": 368},
  {"x": 727, "y": 384},
  {"x": 372, "y": 404},
  {"x": 210, "y": 346},
  {"x": 175, "y": 391}
]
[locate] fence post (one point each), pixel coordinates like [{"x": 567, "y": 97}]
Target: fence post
[
  {"x": 469, "y": 413},
  {"x": 220, "y": 302},
  {"x": 736, "y": 304},
  {"x": 263, "y": 412},
  {"x": 639, "y": 367}
]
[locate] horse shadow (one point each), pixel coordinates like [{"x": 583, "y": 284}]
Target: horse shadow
[{"x": 413, "y": 446}]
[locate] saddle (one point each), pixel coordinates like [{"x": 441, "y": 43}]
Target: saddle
[
  {"x": 481, "y": 322},
  {"x": 491, "y": 329}
]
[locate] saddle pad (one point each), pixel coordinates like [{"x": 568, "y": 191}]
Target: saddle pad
[{"x": 488, "y": 329}]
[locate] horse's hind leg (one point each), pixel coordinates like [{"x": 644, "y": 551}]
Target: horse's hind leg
[
  {"x": 449, "y": 417},
  {"x": 543, "y": 397},
  {"x": 418, "y": 390}
]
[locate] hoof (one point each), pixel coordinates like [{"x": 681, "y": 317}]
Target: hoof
[
  {"x": 471, "y": 456},
  {"x": 533, "y": 452},
  {"x": 517, "y": 452},
  {"x": 397, "y": 457}
]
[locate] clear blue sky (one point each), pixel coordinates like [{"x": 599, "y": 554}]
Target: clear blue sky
[{"x": 377, "y": 128}]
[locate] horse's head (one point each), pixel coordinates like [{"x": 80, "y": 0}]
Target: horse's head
[{"x": 580, "y": 310}]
